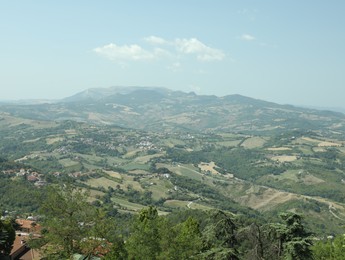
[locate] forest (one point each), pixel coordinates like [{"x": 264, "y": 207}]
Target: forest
[{"x": 72, "y": 225}]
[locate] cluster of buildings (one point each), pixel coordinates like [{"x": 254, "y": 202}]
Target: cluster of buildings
[
  {"x": 29, "y": 175},
  {"x": 28, "y": 229}
]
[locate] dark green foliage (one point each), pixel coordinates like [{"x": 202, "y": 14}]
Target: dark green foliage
[
  {"x": 7, "y": 236},
  {"x": 219, "y": 238},
  {"x": 289, "y": 239},
  {"x": 18, "y": 195},
  {"x": 73, "y": 225},
  {"x": 144, "y": 241},
  {"x": 330, "y": 248},
  {"x": 181, "y": 241},
  {"x": 117, "y": 251}
]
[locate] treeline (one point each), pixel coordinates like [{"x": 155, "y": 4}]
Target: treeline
[{"x": 72, "y": 225}]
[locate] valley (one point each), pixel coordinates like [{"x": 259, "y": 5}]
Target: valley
[{"x": 211, "y": 157}]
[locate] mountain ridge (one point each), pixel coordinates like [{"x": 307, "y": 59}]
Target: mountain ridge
[{"x": 161, "y": 109}]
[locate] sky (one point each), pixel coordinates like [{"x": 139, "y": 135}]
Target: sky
[{"x": 288, "y": 52}]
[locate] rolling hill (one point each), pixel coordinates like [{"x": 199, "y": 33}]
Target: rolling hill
[
  {"x": 139, "y": 146},
  {"x": 160, "y": 109}
]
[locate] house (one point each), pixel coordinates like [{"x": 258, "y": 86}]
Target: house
[
  {"x": 28, "y": 226},
  {"x": 19, "y": 248},
  {"x": 21, "y": 251}
]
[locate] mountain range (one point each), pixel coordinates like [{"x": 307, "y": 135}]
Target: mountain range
[{"x": 157, "y": 109}]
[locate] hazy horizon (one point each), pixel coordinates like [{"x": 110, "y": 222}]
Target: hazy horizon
[
  {"x": 289, "y": 52},
  {"x": 35, "y": 100}
]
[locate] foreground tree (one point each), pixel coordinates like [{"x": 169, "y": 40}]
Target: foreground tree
[
  {"x": 7, "y": 236},
  {"x": 144, "y": 240},
  {"x": 290, "y": 240},
  {"x": 330, "y": 249},
  {"x": 219, "y": 238},
  {"x": 188, "y": 240},
  {"x": 253, "y": 242},
  {"x": 71, "y": 224},
  {"x": 182, "y": 241}
]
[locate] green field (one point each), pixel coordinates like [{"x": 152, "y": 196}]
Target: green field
[
  {"x": 253, "y": 142},
  {"x": 102, "y": 182}
]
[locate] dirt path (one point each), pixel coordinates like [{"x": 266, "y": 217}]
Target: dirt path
[{"x": 331, "y": 208}]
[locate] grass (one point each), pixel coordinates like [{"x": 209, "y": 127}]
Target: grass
[
  {"x": 253, "y": 142},
  {"x": 101, "y": 182},
  {"x": 233, "y": 143},
  {"x": 146, "y": 158},
  {"x": 159, "y": 190},
  {"x": 131, "y": 154},
  {"x": 284, "y": 158},
  {"x": 342, "y": 149},
  {"x": 114, "y": 174},
  {"x": 329, "y": 144},
  {"x": 279, "y": 149},
  {"x": 95, "y": 193},
  {"x": 305, "y": 149},
  {"x": 115, "y": 161},
  {"x": 54, "y": 140},
  {"x": 187, "y": 170},
  {"x": 90, "y": 158},
  {"x": 289, "y": 175},
  {"x": 127, "y": 205},
  {"x": 139, "y": 172},
  {"x": 171, "y": 142},
  {"x": 135, "y": 166},
  {"x": 68, "y": 162},
  {"x": 128, "y": 180}
]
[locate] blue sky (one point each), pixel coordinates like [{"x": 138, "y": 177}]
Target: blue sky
[{"x": 282, "y": 51}]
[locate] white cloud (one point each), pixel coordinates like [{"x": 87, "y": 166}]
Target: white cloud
[
  {"x": 171, "y": 50},
  {"x": 124, "y": 52},
  {"x": 247, "y": 37},
  {"x": 155, "y": 40},
  {"x": 202, "y": 52}
]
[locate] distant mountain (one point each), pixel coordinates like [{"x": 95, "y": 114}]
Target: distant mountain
[
  {"x": 100, "y": 93},
  {"x": 27, "y": 101},
  {"x": 160, "y": 109},
  {"x": 335, "y": 109}
]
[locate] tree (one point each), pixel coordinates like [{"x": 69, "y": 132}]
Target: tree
[
  {"x": 219, "y": 238},
  {"x": 188, "y": 240},
  {"x": 252, "y": 242},
  {"x": 7, "y": 236},
  {"x": 182, "y": 241},
  {"x": 72, "y": 224},
  {"x": 330, "y": 249},
  {"x": 117, "y": 251},
  {"x": 144, "y": 241},
  {"x": 290, "y": 240}
]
